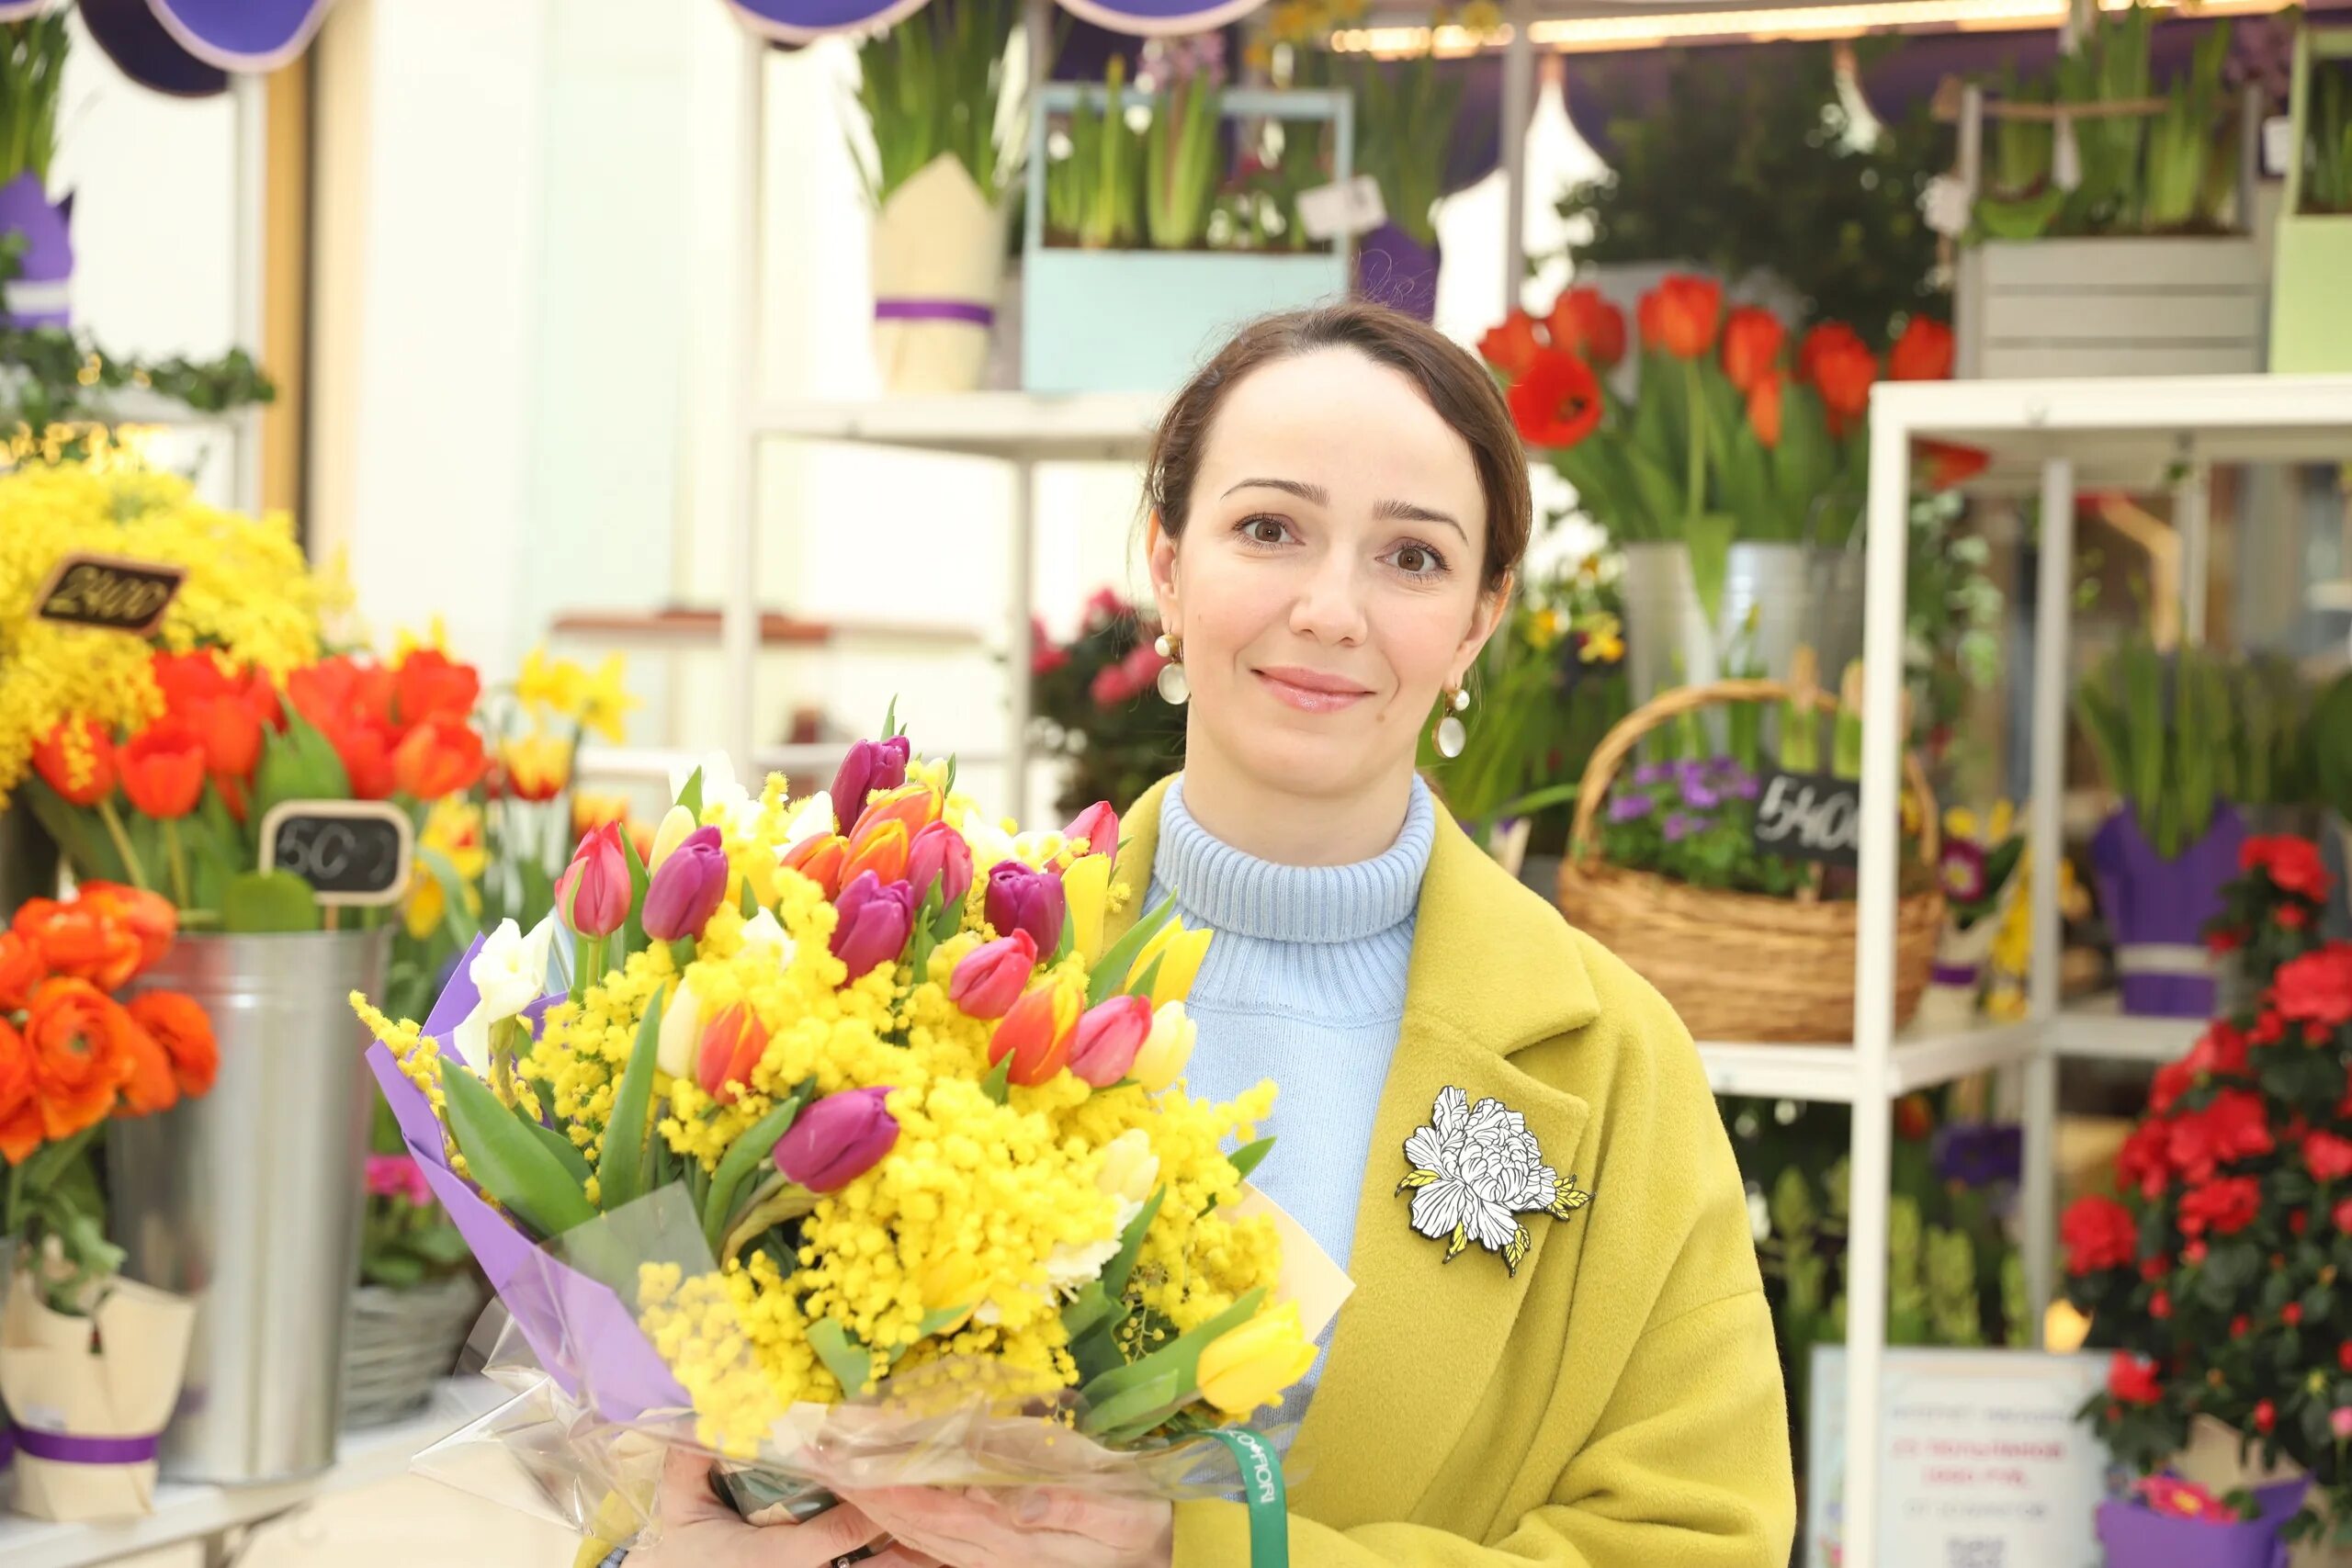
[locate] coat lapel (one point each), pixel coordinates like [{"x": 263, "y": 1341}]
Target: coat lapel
[{"x": 1484, "y": 983}]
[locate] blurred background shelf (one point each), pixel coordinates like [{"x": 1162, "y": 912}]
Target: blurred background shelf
[
  {"x": 2098, "y": 1029},
  {"x": 1829, "y": 1074}
]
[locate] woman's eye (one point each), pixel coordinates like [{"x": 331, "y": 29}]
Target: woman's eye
[
  {"x": 1265, "y": 531},
  {"x": 1418, "y": 561}
]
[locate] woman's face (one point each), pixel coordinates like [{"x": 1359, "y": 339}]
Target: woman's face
[{"x": 1326, "y": 583}]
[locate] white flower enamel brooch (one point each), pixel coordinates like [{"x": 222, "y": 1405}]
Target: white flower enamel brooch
[{"x": 1475, "y": 1170}]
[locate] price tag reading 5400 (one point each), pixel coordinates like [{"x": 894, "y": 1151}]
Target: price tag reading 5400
[{"x": 1809, "y": 817}]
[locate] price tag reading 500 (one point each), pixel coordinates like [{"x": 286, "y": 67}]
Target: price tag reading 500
[{"x": 352, "y": 852}]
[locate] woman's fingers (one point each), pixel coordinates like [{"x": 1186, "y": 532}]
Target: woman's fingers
[{"x": 836, "y": 1532}]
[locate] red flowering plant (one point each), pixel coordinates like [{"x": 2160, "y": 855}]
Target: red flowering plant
[
  {"x": 2270, "y": 916},
  {"x": 1095, "y": 704},
  {"x": 2221, "y": 1276},
  {"x": 173, "y": 802},
  {"x": 1733, "y": 431}
]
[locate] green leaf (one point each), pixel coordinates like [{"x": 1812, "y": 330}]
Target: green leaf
[
  {"x": 621, "y": 1174},
  {"x": 691, "y": 796},
  {"x": 1247, "y": 1157},
  {"x": 632, "y": 933},
  {"x": 1111, "y": 969},
  {"x": 508, "y": 1162},
  {"x": 945, "y": 1317},
  {"x": 454, "y": 889},
  {"x": 851, "y": 1362},
  {"x": 998, "y": 1085},
  {"x": 746, "y": 1155},
  {"x": 265, "y": 902},
  {"x": 574, "y": 1163},
  {"x": 1710, "y": 537},
  {"x": 298, "y": 764},
  {"x": 1122, "y": 1266},
  {"x": 1181, "y": 1355},
  {"x": 1149, "y": 978}
]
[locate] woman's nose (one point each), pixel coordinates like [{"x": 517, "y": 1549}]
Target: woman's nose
[{"x": 1329, "y": 607}]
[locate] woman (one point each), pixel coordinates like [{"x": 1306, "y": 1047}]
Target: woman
[{"x": 1576, "y": 1372}]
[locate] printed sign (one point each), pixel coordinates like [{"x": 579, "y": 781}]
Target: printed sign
[
  {"x": 109, "y": 593},
  {"x": 1982, "y": 1462},
  {"x": 1351, "y": 207},
  {"x": 352, "y": 852},
  {"x": 1809, "y": 817}
]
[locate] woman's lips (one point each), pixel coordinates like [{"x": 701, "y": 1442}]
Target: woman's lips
[{"x": 1311, "y": 690}]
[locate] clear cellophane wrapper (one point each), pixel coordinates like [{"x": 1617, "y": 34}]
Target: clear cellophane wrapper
[{"x": 586, "y": 1424}]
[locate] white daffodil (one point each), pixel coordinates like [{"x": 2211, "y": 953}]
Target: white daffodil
[
  {"x": 1475, "y": 1170},
  {"x": 809, "y": 818},
  {"x": 510, "y": 973}
]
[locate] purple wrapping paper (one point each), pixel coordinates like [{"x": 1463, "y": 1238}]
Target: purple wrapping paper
[
  {"x": 2134, "y": 1536},
  {"x": 2150, "y": 901},
  {"x": 45, "y": 272},
  {"x": 1397, "y": 270},
  {"x": 799, "y": 21}
]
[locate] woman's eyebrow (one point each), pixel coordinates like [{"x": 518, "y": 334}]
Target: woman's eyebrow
[
  {"x": 1314, "y": 494},
  {"x": 1389, "y": 511}
]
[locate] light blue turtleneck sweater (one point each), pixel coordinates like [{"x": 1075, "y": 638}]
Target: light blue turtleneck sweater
[{"x": 1303, "y": 984}]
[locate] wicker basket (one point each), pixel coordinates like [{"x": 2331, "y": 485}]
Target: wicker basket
[
  {"x": 400, "y": 1343},
  {"x": 1740, "y": 967}
]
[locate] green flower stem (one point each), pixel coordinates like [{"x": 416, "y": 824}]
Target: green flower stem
[
  {"x": 107, "y": 814},
  {"x": 179, "y": 862}
]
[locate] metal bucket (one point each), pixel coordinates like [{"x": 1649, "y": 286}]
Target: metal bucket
[
  {"x": 1800, "y": 595},
  {"x": 248, "y": 1200}
]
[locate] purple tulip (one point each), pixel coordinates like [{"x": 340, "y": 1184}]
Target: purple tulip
[
  {"x": 1097, "y": 828},
  {"x": 687, "y": 887},
  {"x": 1108, "y": 1038},
  {"x": 876, "y": 917},
  {"x": 870, "y": 765},
  {"x": 940, "y": 854},
  {"x": 838, "y": 1139},
  {"x": 991, "y": 976},
  {"x": 1020, "y": 899}
]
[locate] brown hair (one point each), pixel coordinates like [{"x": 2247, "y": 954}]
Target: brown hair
[{"x": 1456, "y": 386}]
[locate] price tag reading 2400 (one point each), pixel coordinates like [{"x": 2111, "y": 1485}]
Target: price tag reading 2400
[
  {"x": 352, "y": 852},
  {"x": 109, "y": 594},
  {"x": 1809, "y": 817}
]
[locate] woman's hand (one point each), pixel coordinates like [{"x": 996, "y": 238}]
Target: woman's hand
[
  {"x": 698, "y": 1530},
  {"x": 1034, "y": 1528}
]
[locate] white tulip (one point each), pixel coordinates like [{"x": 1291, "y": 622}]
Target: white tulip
[
  {"x": 681, "y": 1031},
  {"x": 763, "y": 929},
  {"x": 810, "y": 817},
  {"x": 510, "y": 973}
]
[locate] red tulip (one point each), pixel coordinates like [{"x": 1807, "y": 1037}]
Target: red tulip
[
  {"x": 429, "y": 684},
  {"x": 364, "y": 746},
  {"x": 1752, "y": 340},
  {"x": 1764, "y": 408},
  {"x": 1840, "y": 367},
  {"x": 1678, "y": 316},
  {"x": 1558, "y": 404},
  {"x": 1512, "y": 346},
  {"x": 162, "y": 770},
  {"x": 1924, "y": 352},
  {"x": 1036, "y": 1033},
  {"x": 83, "y": 770},
  {"x": 1945, "y": 465},
  {"x": 593, "y": 895},
  {"x": 1096, "y": 829},
  {"x": 1587, "y": 326},
  {"x": 439, "y": 756},
  {"x": 991, "y": 978}
]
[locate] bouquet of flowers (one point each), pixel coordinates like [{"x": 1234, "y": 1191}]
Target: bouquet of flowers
[
  {"x": 88, "y": 1405},
  {"x": 1978, "y": 867},
  {"x": 851, "y": 1151},
  {"x": 1092, "y": 699}
]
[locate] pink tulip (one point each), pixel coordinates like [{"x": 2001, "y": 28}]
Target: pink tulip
[
  {"x": 876, "y": 917},
  {"x": 687, "y": 887},
  {"x": 1108, "y": 1038},
  {"x": 594, "y": 892},
  {"x": 940, "y": 854},
  {"x": 870, "y": 765},
  {"x": 992, "y": 977},
  {"x": 1097, "y": 828},
  {"x": 2339, "y": 1420},
  {"x": 838, "y": 1139}
]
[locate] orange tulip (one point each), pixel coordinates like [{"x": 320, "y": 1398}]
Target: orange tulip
[
  {"x": 821, "y": 857},
  {"x": 80, "y": 1055},
  {"x": 437, "y": 758},
  {"x": 1587, "y": 326},
  {"x": 1036, "y": 1033},
  {"x": 20, "y": 1132},
  {"x": 1764, "y": 408},
  {"x": 162, "y": 770},
  {"x": 77, "y": 761},
  {"x": 916, "y": 805},
  {"x": 336, "y": 691},
  {"x": 1924, "y": 352},
  {"x": 79, "y": 940},
  {"x": 1679, "y": 315},
  {"x": 149, "y": 916},
  {"x": 1511, "y": 347},
  {"x": 880, "y": 846},
  {"x": 21, "y": 969},
  {"x": 429, "y": 684},
  {"x": 185, "y": 1032},
  {"x": 732, "y": 1045},
  {"x": 1752, "y": 340}
]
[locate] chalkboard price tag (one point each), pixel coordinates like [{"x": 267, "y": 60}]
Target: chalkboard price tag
[
  {"x": 353, "y": 854},
  {"x": 1809, "y": 817},
  {"x": 109, "y": 593}
]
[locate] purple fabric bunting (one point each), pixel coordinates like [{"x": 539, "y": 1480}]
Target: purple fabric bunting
[
  {"x": 61, "y": 1448},
  {"x": 249, "y": 36}
]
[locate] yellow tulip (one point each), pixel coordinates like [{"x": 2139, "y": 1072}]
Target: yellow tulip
[
  {"x": 954, "y": 1281},
  {"x": 1086, "y": 888},
  {"x": 537, "y": 765},
  {"x": 1180, "y": 953},
  {"x": 1250, "y": 1366},
  {"x": 670, "y": 834},
  {"x": 1166, "y": 1050}
]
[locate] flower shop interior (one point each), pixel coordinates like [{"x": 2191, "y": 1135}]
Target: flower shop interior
[{"x": 1931, "y": 671}]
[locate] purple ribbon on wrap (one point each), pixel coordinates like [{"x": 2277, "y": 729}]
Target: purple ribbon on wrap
[
  {"x": 57, "y": 1447},
  {"x": 7, "y": 1442},
  {"x": 1954, "y": 973},
  {"x": 934, "y": 310}
]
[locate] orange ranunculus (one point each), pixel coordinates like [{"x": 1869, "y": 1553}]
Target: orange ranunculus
[
  {"x": 185, "y": 1032},
  {"x": 20, "y": 1132},
  {"x": 820, "y": 857},
  {"x": 1512, "y": 346},
  {"x": 1764, "y": 408},
  {"x": 1840, "y": 367},
  {"x": 1587, "y": 326},
  {"x": 439, "y": 756},
  {"x": 150, "y": 916},
  {"x": 149, "y": 1086},
  {"x": 430, "y": 684},
  {"x": 79, "y": 767},
  {"x": 1752, "y": 340},
  {"x": 1558, "y": 404},
  {"x": 162, "y": 770},
  {"x": 878, "y": 847},
  {"x": 80, "y": 939},
  {"x": 21, "y": 968},
  {"x": 1924, "y": 352},
  {"x": 1679, "y": 315},
  {"x": 80, "y": 1051}
]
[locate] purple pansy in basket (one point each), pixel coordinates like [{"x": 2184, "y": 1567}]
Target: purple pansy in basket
[
  {"x": 1627, "y": 807},
  {"x": 1961, "y": 869},
  {"x": 1650, "y": 773},
  {"x": 1681, "y": 825}
]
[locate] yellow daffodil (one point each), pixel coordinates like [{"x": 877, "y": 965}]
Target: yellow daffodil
[
  {"x": 1086, "y": 887},
  {"x": 1179, "y": 953},
  {"x": 551, "y": 687},
  {"x": 604, "y": 704},
  {"x": 591, "y": 809},
  {"x": 453, "y": 831},
  {"x": 1250, "y": 1366}
]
